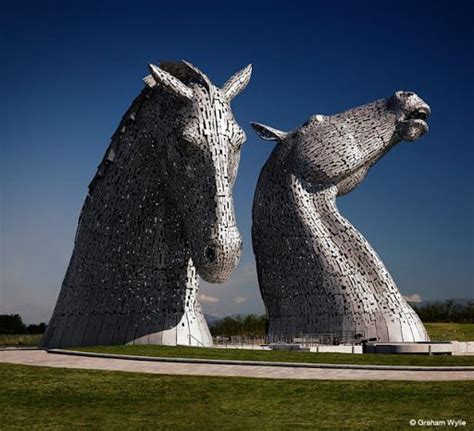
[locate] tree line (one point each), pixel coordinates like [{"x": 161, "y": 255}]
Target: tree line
[
  {"x": 447, "y": 311},
  {"x": 13, "y": 324},
  {"x": 249, "y": 326}
]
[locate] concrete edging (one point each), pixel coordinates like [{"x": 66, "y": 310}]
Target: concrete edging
[
  {"x": 6, "y": 349},
  {"x": 257, "y": 363}
]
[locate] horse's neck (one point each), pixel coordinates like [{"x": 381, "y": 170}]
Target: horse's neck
[
  {"x": 341, "y": 244},
  {"x": 285, "y": 201}
]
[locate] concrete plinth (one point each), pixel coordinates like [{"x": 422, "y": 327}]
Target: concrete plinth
[{"x": 431, "y": 348}]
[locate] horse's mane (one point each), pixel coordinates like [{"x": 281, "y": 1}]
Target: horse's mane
[{"x": 179, "y": 70}]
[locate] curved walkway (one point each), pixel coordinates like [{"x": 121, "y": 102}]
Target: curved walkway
[{"x": 184, "y": 367}]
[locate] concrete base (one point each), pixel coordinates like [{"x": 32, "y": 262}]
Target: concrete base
[
  {"x": 287, "y": 347},
  {"x": 463, "y": 348},
  {"x": 241, "y": 346},
  {"x": 322, "y": 348},
  {"x": 355, "y": 348},
  {"x": 429, "y": 348}
]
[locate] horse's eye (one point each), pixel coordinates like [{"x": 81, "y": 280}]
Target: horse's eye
[
  {"x": 186, "y": 140},
  {"x": 191, "y": 137}
]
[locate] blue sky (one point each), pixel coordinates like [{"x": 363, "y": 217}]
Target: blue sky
[{"x": 69, "y": 73}]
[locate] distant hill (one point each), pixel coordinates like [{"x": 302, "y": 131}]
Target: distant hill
[{"x": 211, "y": 319}]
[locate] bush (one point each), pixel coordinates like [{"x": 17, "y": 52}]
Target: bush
[
  {"x": 11, "y": 324},
  {"x": 36, "y": 329}
]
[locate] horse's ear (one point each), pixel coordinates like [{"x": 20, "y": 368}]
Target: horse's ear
[
  {"x": 237, "y": 82},
  {"x": 269, "y": 133},
  {"x": 169, "y": 82}
]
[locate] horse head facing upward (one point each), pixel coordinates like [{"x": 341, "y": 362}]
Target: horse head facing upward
[
  {"x": 316, "y": 272},
  {"x": 199, "y": 162},
  {"x": 339, "y": 149}
]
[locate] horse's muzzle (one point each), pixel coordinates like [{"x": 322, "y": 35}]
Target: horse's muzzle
[{"x": 218, "y": 258}]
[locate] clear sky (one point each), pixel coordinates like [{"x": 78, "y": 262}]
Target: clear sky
[{"x": 69, "y": 73}]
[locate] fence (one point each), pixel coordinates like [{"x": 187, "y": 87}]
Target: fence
[{"x": 304, "y": 340}]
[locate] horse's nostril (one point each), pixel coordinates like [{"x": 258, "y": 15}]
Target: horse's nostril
[
  {"x": 210, "y": 253},
  {"x": 419, "y": 114}
]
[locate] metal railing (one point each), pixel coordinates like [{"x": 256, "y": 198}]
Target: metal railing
[
  {"x": 308, "y": 340},
  {"x": 236, "y": 341},
  {"x": 303, "y": 340},
  {"x": 194, "y": 338}
]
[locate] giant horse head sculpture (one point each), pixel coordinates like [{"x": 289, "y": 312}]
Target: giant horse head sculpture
[
  {"x": 317, "y": 273},
  {"x": 159, "y": 213}
]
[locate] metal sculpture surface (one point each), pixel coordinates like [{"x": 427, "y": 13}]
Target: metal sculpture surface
[
  {"x": 159, "y": 213},
  {"x": 317, "y": 273}
]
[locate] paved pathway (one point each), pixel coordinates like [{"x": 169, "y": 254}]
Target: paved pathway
[{"x": 42, "y": 358}]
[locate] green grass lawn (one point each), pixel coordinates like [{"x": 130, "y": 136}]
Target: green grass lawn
[
  {"x": 279, "y": 356},
  {"x": 450, "y": 331},
  {"x": 49, "y": 398}
]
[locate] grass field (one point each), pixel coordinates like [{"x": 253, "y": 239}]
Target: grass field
[
  {"x": 265, "y": 355},
  {"x": 48, "y": 398},
  {"x": 450, "y": 331}
]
